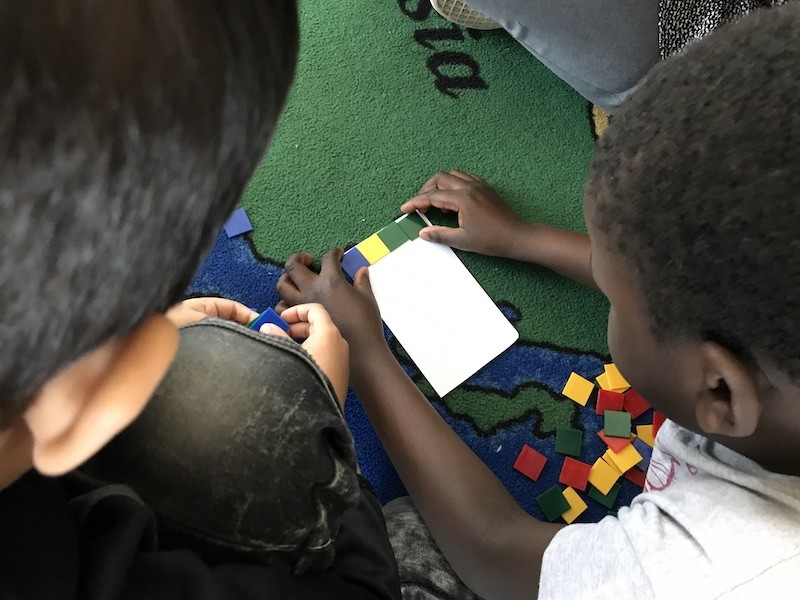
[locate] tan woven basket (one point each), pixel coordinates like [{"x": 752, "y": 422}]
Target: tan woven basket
[{"x": 461, "y": 14}]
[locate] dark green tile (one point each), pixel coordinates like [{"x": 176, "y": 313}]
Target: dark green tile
[
  {"x": 412, "y": 224},
  {"x": 568, "y": 441},
  {"x": 607, "y": 500},
  {"x": 553, "y": 503},
  {"x": 393, "y": 236}
]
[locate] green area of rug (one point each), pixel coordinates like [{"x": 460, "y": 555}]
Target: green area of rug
[{"x": 365, "y": 126}]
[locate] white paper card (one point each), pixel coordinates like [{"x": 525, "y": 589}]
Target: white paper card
[{"x": 439, "y": 313}]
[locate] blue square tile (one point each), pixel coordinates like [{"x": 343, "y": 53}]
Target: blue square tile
[
  {"x": 646, "y": 452},
  {"x": 268, "y": 316},
  {"x": 238, "y": 223},
  {"x": 352, "y": 261}
]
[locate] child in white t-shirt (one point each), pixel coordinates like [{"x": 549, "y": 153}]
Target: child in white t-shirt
[{"x": 693, "y": 216}]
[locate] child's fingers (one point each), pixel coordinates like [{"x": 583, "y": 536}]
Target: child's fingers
[
  {"x": 313, "y": 314},
  {"x": 307, "y": 320},
  {"x": 304, "y": 257},
  {"x": 297, "y": 268},
  {"x": 234, "y": 311},
  {"x": 230, "y": 310},
  {"x": 470, "y": 177},
  {"x": 450, "y": 236},
  {"x": 270, "y": 329},
  {"x": 299, "y": 331},
  {"x": 461, "y": 175},
  {"x": 428, "y": 185},
  {"x": 287, "y": 290},
  {"x": 443, "y": 181},
  {"x": 362, "y": 283},
  {"x": 450, "y": 181},
  {"x": 442, "y": 200},
  {"x": 421, "y": 203},
  {"x": 331, "y": 263}
]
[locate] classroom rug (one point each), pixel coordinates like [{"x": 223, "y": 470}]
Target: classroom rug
[{"x": 387, "y": 93}]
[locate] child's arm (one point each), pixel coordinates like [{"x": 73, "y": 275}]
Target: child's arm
[
  {"x": 486, "y": 225},
  {"x": 493, "y": 545}
]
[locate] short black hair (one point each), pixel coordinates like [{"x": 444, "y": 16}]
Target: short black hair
[
  {"x": 128, "y": 130},
  {"x": 697, "y": 184}
]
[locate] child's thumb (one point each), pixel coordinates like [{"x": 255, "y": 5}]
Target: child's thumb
[
  {"x": 442, "y": 235},
  {"x": 270, "y": 329},
  {"x": 361, "y": 282}
]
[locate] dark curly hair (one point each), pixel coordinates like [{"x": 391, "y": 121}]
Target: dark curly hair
[{"x": 697, "y": 184}]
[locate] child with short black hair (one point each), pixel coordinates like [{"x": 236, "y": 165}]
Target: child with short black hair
[
  {"x": 128, "y": 129},
  {"x": 693, "y": 212}
]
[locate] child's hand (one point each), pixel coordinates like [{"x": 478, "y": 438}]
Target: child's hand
[
  {"x": 352, "y": 307},
  {"x": 196, "y": 309},
  {"x": 485, "y": 223},
  {"x": 323, "y": 341}
]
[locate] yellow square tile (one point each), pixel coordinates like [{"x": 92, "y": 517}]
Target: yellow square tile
[
  {"x": 615, "y": 379},
  {"x": 645, "y": 432},
  {"x": 611, "y": 463},
  {"x": 576, "y": 505},
  {"x": 578, "y": 389},
  {"x": 603, "y": 476},
  {"x": 626, "y": 458},
  {"x": 602, "y": 381},
  {"x": 373, "y": 249}
]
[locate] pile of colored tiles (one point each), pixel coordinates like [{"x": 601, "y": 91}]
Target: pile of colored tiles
[
  {"x": 628, "y": 455},
  {"x": 378, "y": 245}
]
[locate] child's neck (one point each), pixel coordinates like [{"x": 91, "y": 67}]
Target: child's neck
[{"x": 775, "y": 445}]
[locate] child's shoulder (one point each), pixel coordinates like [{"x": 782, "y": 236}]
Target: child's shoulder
[{"x": 710, "y": 520}]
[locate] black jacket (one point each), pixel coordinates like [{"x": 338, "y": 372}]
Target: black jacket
[
  {"x": 103, "y": 544},
  {"x": 237, "y": 481}
]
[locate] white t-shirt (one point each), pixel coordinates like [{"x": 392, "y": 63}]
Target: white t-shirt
[{"x": 710, "y": 524}]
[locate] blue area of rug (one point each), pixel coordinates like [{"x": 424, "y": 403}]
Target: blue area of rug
[{"x": 234, "y": 271}]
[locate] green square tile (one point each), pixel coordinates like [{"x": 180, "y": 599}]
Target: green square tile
[
  {"x": 607, "y": 500},
  {"x": 393, "y": 236},
  {"x": 412, "y": 224},
  {"x": 568, "y": 441},
  {"x": 553, "y": 503},
  {"x": 617, "y": 423}
]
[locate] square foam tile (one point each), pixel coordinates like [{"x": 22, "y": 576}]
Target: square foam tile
[
  {"x": 352, "y": 261},
  {"x": 238, "y": 223}
]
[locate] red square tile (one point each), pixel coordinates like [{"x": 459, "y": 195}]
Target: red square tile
[
  {"x": 636, "y": 476},
  {"x": 575, "y": 473},
  {"x": 634, "y": 403},
  {"x": 617, "y": 444},
  {"x": 530, "y": 462},
  {"x": 658, "y": 421},
  {"x": 608, "y": 400}
]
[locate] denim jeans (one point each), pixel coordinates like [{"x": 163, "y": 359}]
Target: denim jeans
[
  {"x": 602, "y": 48},
  {"x": 425, "y": 573},
  {"x": 242, "y": 453}
]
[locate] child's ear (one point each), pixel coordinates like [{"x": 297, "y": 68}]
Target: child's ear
[
  {"x": 80, "y": 409},
  {"x": 729, "y": 403}
]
